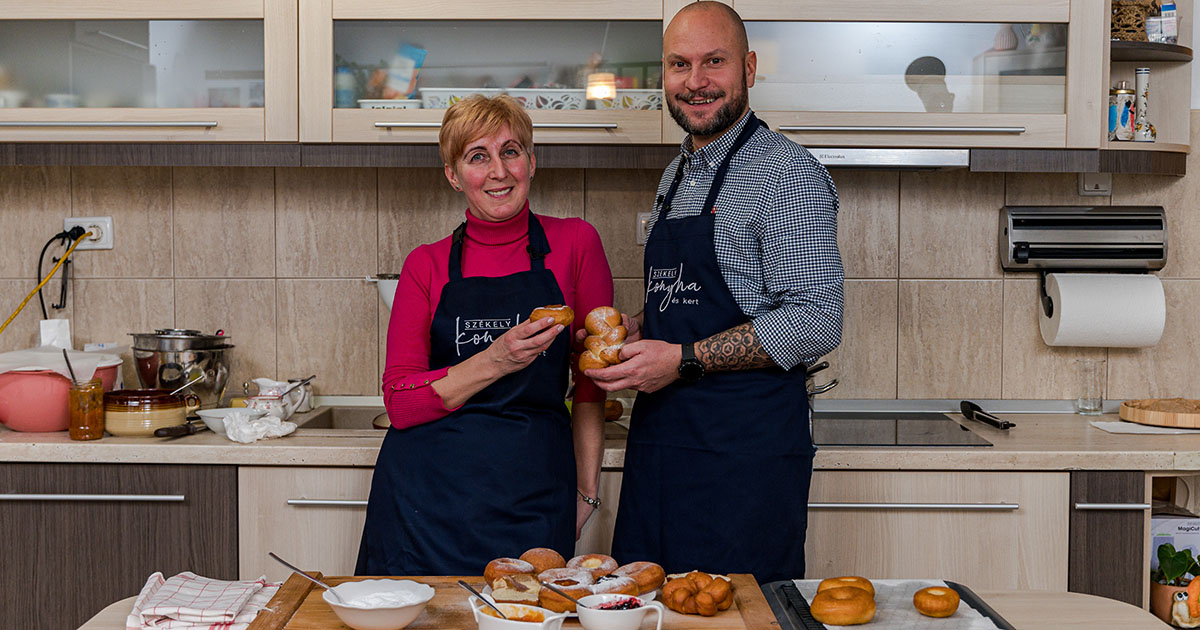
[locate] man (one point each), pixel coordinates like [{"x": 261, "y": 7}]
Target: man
[{"x": 743, "y": 287}]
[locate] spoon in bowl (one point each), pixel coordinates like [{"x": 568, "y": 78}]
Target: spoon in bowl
[
  {"x": 482, "y": 598},
  {"x": 306, "y": 576}
]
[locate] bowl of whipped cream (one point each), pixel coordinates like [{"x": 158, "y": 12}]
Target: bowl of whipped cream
[{"x": 378, "y": 604}]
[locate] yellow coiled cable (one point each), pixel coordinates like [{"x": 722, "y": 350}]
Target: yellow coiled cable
[{"x": 43, "y": 282}]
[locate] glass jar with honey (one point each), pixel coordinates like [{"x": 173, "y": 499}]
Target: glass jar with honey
[{"x": 85, "y": 401}]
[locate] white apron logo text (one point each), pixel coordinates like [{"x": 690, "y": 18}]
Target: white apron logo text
[
  {"x": 475, "y": 332},
  {"x": 670, "y": 283}
]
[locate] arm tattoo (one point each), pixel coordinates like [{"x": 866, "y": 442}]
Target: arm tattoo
[{"x": 735, "y": 349}]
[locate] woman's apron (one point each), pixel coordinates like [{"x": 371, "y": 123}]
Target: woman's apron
[
  {"x": 497, "y": 476},
  {"x": 717, "y": 472}
]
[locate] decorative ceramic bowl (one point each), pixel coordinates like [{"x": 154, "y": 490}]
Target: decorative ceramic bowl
[
  {"x": 365, "y": 603},
  {"x": 549, "y": 98}
]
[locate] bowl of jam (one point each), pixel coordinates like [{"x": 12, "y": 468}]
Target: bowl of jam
[{"x": 614, "y": 611}]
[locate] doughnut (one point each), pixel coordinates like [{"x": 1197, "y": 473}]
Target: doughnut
[
  {"x": 698, "y": 593},
  {"x": 843, "y": 606},
  {"x": 561, "y": 313},
  {"x": 521, "y": 588},
  {"x": 598, "y": 563},
  {"x": 850, "y": 580},
  {"x": 936, "y": 601},
  {"x": 542, "y": 558},
  {"x": 505, "y": 566},
  {"x": 574, "y": 582},
  {"x": 648, "y": 575},
  {"x": 615, "y": 584},
  {"x": 567, "y": 576}
]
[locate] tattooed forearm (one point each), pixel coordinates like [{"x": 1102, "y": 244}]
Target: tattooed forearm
[{"x": 734, "y": 349}]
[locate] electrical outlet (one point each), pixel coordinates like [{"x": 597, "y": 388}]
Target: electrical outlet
[
  {"x": 100, "y": 227},
  {"x": 643, "y": 220},
  {"x": 1095, "y": 184}
]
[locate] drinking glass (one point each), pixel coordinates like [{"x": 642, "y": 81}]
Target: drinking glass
[{"x": 1091, "y": 373}]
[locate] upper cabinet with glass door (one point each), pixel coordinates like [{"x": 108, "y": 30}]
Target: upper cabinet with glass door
[
  {"x": 1022, "y": 73},
  {"x": 587, "y": 72},
  {"x": 181, "y": 71}
]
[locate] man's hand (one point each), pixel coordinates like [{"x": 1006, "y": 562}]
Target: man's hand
[
  {"x": 633, "y": 330},
  {"x": 647, "y": 365}
]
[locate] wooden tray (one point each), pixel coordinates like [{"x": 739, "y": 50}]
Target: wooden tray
[
  {"x": 306, "y": 610},
  {"x": 1163, "y": 412}
]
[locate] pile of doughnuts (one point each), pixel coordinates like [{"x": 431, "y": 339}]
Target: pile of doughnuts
[
  {"x": 606, "y": 335},
  {"x": 844, "y": 601},
  {"x": 518, "y": 580},
  {"x": 698, "y": 593}
]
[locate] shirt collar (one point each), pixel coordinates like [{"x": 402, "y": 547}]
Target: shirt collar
[
  {"x": 714, "y": 152},
  {"x": 509, "y": 230}
]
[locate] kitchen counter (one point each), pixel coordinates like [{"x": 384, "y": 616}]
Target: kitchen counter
[
  {"x": 1038, "y": 442},
  {"x": 1028, "y": 610}
]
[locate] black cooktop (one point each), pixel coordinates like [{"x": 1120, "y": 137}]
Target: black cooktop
[{"x": 888, "y": 428}]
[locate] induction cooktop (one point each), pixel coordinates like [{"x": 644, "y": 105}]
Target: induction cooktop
[{"x": 888, "y": 428}]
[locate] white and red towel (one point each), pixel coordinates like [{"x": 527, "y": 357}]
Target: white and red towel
[{"x": 190, "y": 602}]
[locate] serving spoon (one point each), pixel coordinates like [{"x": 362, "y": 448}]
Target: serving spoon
[
  {"x": 306, "y": 576},
  {"x": 482, "y": 598}
]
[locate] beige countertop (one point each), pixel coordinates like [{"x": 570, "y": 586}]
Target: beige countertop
[{"x": 1038, "y": 442}]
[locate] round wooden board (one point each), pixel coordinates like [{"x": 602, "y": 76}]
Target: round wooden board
[{"x": 1163, "y": 412}]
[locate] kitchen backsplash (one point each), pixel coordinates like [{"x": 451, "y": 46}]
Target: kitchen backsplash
[{"x": 278, "y": 259}]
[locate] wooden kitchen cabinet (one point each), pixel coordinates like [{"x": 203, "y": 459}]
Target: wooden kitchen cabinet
[
  {"x": 1109, "y": 510},
  {"x": 311, "y": 517},
  {"x": 988, "y": 530},
  {"x": 545, "y": 49},
  {"x": 926, "y": 74},
  {"x": 183, "y": 71},
  {"x": 77, "y": 537}
]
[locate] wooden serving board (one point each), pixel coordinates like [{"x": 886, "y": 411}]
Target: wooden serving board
[
  {"x": 449, "y": 610},
  {"x": 1164, "y": 412}
]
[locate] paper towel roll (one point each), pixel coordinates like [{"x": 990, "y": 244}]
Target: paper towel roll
[{"x": 1104, "y": 310}]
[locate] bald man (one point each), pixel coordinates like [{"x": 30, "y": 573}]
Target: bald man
[{"x": 743, "y": 288}]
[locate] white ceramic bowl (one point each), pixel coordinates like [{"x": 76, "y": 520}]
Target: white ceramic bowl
[
  {"x": 592, "y": 618},
  {"x": 378, "y": 617},
  {"x": 550, "y": 620},
  {"x": 214, "y": 419}
]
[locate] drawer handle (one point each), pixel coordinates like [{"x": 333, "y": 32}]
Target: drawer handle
[
  {"x": 156, "y": 498},
  {"x": 1112, "y": 506},
  {"x": 902, "y": 128},
  {"x": 332, "y": 502},
  {"x": 108, "y": 123},
  {"x": 1005, "y": 507},
  {"x": 436, "y": 125},
  {"x": 409, "y": 125}
]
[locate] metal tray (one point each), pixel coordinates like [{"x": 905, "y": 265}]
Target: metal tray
[{"x": 791, "y": 609}]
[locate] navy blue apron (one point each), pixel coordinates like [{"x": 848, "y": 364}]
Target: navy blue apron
[
  {"x": 716, "y": 473},
  {"x": 497, "y": 476}
]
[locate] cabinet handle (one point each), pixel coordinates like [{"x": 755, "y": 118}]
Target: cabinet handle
[
  {"x": 902, "y": 128},
  {"x": 332, "y": 502},
  {"x": 108, "y": 123},
  {"x": 1112, "y": 506},
  {"x": 599, "y": 125},
  {"x": 155, "y": 498},
  {"x": 915, "y": 506},
  {"x": 409, "y": 125}
]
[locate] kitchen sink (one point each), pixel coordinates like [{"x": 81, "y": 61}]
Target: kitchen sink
[{"x": 337, "y": 417}]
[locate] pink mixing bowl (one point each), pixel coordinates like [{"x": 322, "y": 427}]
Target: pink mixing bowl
[{"x": 37, "y": 400}]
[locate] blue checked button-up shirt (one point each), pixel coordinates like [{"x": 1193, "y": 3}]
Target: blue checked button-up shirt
[{"x": 775, "y": 238}]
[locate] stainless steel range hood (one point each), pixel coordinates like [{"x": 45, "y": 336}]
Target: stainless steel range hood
[{"x": 916, "y": 159}]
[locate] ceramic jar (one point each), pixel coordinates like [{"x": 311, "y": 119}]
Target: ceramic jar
[{"x": 139, "y": 412}]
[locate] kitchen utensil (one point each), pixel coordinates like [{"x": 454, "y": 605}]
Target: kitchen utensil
[
  {"x": 366, "y": 608},
  {"x": 140, "y": 412},
  {"x": 291, "y": 566},
  {"x": 482, "y": 598},
  {"x": 1165, "y": 412},
  {"x": 180, "y": 430},
  {"x": 562, "y": 592},
  {"x": 168, "y": 358},
  {"x": 299, "y": 383},
  {"x": 69, "y": 368},
  {"x": 592, "y": 617},
  {"x": 189, "y": 383},
  {"x": 816, "y": 368},
  {"x": 36, "y": 400},
  {"x": 974, "y": 412}
]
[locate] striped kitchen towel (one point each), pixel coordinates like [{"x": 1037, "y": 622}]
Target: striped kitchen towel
[{"x": 190, "y": 602}]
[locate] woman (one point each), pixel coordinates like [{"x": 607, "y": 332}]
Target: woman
[{"x": 482, "y": 459}]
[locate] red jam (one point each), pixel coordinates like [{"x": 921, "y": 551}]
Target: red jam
[{"x": 629, "y": 603}]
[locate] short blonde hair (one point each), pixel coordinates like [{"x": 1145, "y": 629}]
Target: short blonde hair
[{"x": 477, "y": 116}]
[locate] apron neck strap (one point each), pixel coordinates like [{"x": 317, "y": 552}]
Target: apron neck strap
[
  {"x": 538, "y": 248},
  {"x": 751, "y": 126}
]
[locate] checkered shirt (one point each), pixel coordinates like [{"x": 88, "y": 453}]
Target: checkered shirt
[{"x": 775, "y": 238}]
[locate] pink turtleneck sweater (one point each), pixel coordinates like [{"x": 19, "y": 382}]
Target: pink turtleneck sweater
[{"x": 490, "y": 250}]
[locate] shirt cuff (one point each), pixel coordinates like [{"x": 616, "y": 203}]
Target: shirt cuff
[{"x": 777, "y": 337}]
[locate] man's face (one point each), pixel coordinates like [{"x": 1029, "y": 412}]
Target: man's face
[{"x": 706, "y": 76}]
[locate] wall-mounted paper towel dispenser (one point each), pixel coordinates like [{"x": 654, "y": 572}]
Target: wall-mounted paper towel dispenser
[{"x": 1078, "y": 238}]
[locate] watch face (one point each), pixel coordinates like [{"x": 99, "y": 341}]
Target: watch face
[{"x": 691, "y": 370}]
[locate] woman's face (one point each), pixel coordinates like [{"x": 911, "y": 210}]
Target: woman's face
[{"x": 494, "y": 173}]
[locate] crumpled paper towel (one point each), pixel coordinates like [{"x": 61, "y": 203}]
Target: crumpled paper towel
[{"x": 240, "y": 427}]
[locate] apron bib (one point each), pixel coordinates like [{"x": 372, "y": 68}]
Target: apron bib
[
  {"x": 716, "y": 473},
  {"x": 497, "y": 476}
]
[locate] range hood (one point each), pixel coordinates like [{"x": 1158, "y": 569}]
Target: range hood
[{"x": 916, "y": 159}]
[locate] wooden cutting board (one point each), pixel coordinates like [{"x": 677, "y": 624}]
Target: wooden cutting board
[
  {"x": 449, "y": 611},
  {"x": 1164, "y": 412}
]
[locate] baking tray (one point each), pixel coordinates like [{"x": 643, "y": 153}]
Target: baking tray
[{"x": 791, "y": 609}]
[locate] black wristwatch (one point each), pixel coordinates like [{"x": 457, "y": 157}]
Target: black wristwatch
[{"x": 690, "y": 368}]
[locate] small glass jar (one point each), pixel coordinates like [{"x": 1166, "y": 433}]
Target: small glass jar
[{"x": 85, "y": 401}]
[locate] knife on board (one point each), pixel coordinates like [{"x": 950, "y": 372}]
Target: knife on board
[{"x": 976, "y": 413}]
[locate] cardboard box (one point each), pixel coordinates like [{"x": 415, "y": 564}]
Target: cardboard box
[{"x": 1181, "y": 531}]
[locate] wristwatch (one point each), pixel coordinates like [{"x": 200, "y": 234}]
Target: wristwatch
[{"x": 690, "y": 368}]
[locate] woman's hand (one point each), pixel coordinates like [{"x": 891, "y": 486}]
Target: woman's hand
[{"x": 521, "y": 344}]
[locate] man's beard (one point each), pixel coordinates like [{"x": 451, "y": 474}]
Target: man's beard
[{"x": 725, "y": 117}]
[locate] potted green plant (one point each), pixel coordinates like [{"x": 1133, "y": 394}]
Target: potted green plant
[{"x": 1176, "y": 569}]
